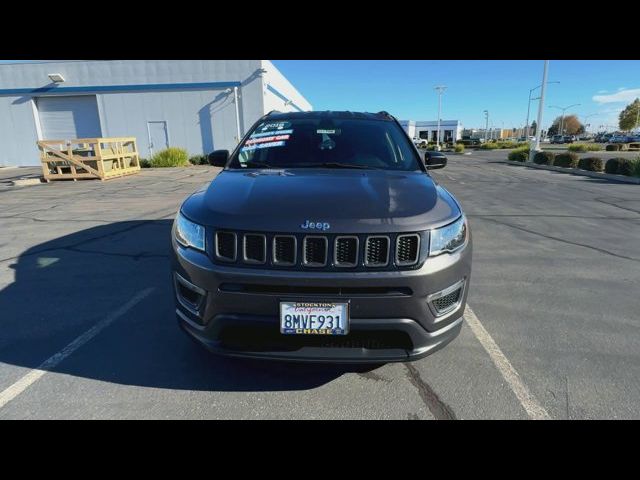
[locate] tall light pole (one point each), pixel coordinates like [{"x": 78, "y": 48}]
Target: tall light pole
[
  {"x": 529, "y": 107},
  {"x": 440, "y": 89},
  {"x": 564, "y": 109},
  {"x": 540, "y": 108},
  {"x": 486, "y": 126}
]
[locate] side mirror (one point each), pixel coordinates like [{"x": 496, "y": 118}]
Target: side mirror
[
  {"x": 218, "y": 158},
  {"x": 434, "y": 160}
]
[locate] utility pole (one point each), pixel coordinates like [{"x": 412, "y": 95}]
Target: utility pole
[
  {"x": 486, "y": 127},
  {"x": 440, "y": 89},
  {"x": 540, "y": 108}
]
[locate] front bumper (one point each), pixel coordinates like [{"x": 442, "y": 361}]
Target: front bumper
[{"x": 235, "y": 311}]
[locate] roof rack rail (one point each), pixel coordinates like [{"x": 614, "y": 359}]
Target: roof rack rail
[{"x": 385, "y": 113}]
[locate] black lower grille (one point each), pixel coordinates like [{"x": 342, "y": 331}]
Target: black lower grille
[
  {"x": 377, "y": 252},
  {"x": 315, "y": 251},
  {"x": 262, "y": 339}
]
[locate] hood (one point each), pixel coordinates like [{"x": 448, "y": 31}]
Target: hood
[{"x": 350, "y": 201}]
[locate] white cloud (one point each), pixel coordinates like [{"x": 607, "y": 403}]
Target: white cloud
[
  {"x": 603, "y": 91},
  {"x": 627, "y": 96}
]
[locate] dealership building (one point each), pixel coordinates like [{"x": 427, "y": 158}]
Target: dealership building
[
  {"x": 450, "y": 130},
  {"x": 193, "y": 104}
]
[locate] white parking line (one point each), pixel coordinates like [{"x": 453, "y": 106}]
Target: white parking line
[
  {"x": 34, "y": 375},
  {"x": 526, "y": 398}
]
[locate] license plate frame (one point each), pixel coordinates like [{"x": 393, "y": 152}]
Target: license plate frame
[{"x": 305, "y": 325}]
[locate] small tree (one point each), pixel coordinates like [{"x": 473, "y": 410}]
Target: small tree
[
  {"x": 628, "y": 119},
  {"x": 570, "y": 126}
]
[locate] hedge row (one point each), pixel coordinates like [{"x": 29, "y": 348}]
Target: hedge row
[
  {"x": 568, "y": 160},
  {"x": 584, "y": 147},
  {"x": 623, "y": 166}
]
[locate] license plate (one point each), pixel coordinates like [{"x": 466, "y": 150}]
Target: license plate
[{"x": 314, "y": 318}]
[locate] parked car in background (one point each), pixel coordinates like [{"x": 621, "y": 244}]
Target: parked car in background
[
  {"x": 557, "y": 139},
  {"x": 634, "y": 138},
  {"x": 618, "y": 138},
  {"x": 420, "y": 142},
  {"x": 569, "y": 139}
]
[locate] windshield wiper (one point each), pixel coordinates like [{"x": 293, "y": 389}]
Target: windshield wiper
[{"x": 338, "y": 165}]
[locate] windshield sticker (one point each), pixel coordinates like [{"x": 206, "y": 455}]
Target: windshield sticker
[
  {"x": 335, "y": 131},
  {"x": 262, "y": 145},
  {"x": 272, "y": 138},
  {"x": 273, "y": 126},
  {"x": 268, "y": 134}
]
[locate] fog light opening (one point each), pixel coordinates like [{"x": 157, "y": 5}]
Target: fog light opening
[
  {"x": 189, "y": 295},
  {"x": 447, "y": 300}
]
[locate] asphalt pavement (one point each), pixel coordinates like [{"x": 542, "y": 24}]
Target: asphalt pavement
[{"x": 84, "y": 289}]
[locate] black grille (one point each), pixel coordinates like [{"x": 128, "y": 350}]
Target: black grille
[
  {"x": 255, "y": 248},
  {"x": 407, "y": 249},
  {"x": 226, "y": 246},
  {"x": 377, "y": 252},
  {"x": 346, "y": 251},
  {"x": 447, "y": 302},
  {"x": 284, "y": 250},
  {"x": 315, "y": 251}
]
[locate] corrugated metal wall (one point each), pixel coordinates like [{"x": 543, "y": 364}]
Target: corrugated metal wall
[{"x": 199, "y": 118}]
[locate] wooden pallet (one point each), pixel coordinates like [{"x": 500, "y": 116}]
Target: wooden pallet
[{"x": 102, "y": 158}]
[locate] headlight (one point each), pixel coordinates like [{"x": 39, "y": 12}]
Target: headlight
[
  {"x": 189, "y": 234},
  {"x": 449, "y": 238}
]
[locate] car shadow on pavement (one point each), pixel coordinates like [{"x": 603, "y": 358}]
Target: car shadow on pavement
[{"x": 65, "y": 286}]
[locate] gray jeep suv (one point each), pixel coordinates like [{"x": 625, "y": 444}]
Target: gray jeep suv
[{"x": 324, "y": 238}]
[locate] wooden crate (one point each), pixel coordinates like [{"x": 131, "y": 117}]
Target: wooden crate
[{"x": 102, "y": 158}]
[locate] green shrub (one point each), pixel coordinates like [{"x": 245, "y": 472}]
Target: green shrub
[
  {"x": 593, "y": 147},
  {"x": 170, "y": 157},
  {"x": 592, "y": 164},
  {"x": 544, "y": 158},
  {"x": 199, "y": 160},
  {"x": 625, "y": 167},
  {"x": 577, "y": 147},
  {"x": 144, "y": 163},
  {"x": 489, "y": 146},
  {"x": 509, "y": 144},
  {"x": 459, "y": 148},
  {"x": 566, "y": 160},
  {"x": 519, "y": 154},
  {"x": 635, "y": 167},
  {"x": 612, "y": 147},
  {"x": 614, "y": 165}
]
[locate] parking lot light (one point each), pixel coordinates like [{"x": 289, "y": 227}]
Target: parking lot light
[{"x": 540, "y": 108}]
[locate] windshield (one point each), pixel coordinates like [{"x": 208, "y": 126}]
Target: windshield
[{"x": 327, "y": 143}]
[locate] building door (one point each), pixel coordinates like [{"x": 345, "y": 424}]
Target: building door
[
  {"x": 68, "y": 117},
  {"x": 158, "y": 136}
]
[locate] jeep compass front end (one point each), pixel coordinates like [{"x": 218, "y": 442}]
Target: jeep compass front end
[{"x": 324, "y": 238}]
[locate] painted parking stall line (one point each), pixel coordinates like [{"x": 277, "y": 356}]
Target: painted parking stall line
[
  {"x": 525, "y": 397},
  {"x": 34, "y": 375}
]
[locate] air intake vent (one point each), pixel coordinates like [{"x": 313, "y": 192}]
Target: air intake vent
[
  {"x": 254, "y": 248},
  {"x": 376, "y": 252},
  {"x": 226, "y": 246},
  {"x": 407, "y": 249},
  {"x": 446, "y": 300},
  {"x": 346, "y": 252},
  {"x": 284, "y": 250},
  {"x": 315, "y": 251}
]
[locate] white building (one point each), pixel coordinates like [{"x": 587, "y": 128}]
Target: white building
[
  {"x": 193, "y": 104},
  {"x": 450, "y": 130}
]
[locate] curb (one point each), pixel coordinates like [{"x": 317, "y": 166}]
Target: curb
[{"x": 577, "y": 171}]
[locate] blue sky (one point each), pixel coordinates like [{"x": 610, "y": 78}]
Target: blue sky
[{"x": 405, "y": 88}]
